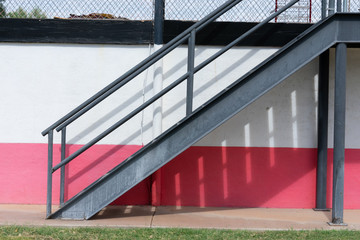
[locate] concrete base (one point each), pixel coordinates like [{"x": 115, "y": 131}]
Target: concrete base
[
  {"x": 322, "y": 209},
  {"x": 184, "y": 217},
  {"x": 337, "y": 224}
]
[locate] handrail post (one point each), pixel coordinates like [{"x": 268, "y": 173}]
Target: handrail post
[
  {"x": 49, "y": 176},
  {"x": 190, "y": 79},
  {"x": 62, "y": 172}
]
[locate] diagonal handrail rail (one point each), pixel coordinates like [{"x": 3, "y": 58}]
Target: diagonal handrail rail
[
  {"x": 161, "y": 93},
  {"x": 139, "y": 68},
  {"x": 189, "y": 35}
]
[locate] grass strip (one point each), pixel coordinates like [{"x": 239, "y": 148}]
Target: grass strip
[{"x": 89, "y": 233}]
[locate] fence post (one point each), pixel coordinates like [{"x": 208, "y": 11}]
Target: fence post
[
  {"x": 323, "y": 8},
  {"x": 159, "y": 21},
  {"x": 331, "y": 7},
  {"x": 338, "y": 6},
  {"x": 158, "y": 66}
]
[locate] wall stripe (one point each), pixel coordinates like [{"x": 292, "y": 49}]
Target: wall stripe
[{"x": 201, "y": 176}]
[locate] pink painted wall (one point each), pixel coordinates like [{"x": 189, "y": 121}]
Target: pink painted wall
[
  {"x": 23, "y": 173},
  {"x": 201, "y": 176},
  {"x": 241, "y": 177}
]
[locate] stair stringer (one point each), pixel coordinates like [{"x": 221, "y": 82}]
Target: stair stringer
[{"x": 205, "y": 119}]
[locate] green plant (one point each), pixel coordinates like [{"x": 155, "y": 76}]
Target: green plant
[
  {"x": 21, "y": 13},
  {"x": 37, "y": 13},
  {"x": 2, "y": 9}
]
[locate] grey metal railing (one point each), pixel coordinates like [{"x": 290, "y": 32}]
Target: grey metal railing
[{"x": 188, "y": 35}]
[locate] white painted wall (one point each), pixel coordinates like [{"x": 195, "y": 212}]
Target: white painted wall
[
  {"x": 41, "y": 82},
  {"x": 286, "y": 116}
]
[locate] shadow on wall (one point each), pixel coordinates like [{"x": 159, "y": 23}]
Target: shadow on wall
[
  {"x": 100, "y": 159},
  {"x": 263, "y": 157},
  {"x": 239, "y": 164},
  {"x": 240, "y": 177}
]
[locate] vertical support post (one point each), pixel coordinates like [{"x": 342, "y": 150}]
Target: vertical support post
[
  {"x": 323, "y": 109},
  {"x": 49, "y": 175},
  {"x": 331, "y": 7},
  {"x": 339, "y": 135},
  {"x": 345, "y": 6},
  {"x": 190, "y": 80},
  {"x": 62, "y": 170},
  {"x": 159, "y": 18},
  {"x": 310, "y": 11},
  {"x": 338, "y": 6},
  {"x": 276, "y": 8},
  {"x": 323, "y": 8}
]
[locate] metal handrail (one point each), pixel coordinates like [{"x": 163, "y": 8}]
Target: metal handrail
[
  {"x": 161, "y": 93},
  {"x": 189, "y": 35},
  {"x": 139, "y": 68}
]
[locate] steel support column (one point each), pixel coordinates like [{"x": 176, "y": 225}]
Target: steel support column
[
  {"x": 339, "y": 135},
  {"x": 323, "y": 101}
]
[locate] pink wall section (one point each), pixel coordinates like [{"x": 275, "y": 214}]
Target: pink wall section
[
  {"x": 252, "y": 177},
  {"x": 23, "y": 173},
  {"x": 241, "y": 177},
  {"x": 201, "y": 176}
]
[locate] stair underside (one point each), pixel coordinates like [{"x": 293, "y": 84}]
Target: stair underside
[{"x": 306, "y": 47}]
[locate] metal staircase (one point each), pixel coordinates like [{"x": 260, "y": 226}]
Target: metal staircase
[{"x": 197, "y": 123}]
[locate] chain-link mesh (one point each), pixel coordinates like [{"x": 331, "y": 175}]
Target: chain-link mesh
[
  {"x": 353, "y": 6},
  {"x": 305, "y": 11},
  {"x": 246, "y": 11},
  {"x": 88, "y": 9}
]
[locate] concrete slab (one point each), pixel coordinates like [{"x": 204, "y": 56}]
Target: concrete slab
[
  {"x": 184, "y": 217},
  {"x": 111, "y": 216},
  {"x": 250, "y": 218}
]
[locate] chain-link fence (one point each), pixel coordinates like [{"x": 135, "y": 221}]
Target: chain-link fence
[
  {"x": 305, "y": 11},
  {"x": 78, "y": 9},
  {"x": 246, "y": 11},
  {"x": 353, "y": 6}
]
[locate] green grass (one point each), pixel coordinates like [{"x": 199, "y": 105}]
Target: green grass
[{"x": 17, "y": 232}]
